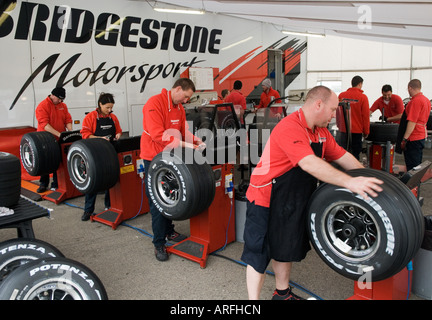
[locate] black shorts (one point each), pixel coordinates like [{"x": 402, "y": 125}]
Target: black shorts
[{"x": 255, "y": 252}]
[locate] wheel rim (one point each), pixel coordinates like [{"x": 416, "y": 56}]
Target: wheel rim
[
  {"x": 12, "y": 264},
  {"x": 79, "y": 168},
  {"x": 350, "y": 231},
  {"x": 27, "y": 156},
  {"x": 167, "y": 187},
  {"x": 56, "y": 289}
]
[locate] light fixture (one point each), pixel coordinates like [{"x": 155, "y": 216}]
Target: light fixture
[
  {"x": 305, "y": 34},
  {"x": 185, "y": 11},
  {"x": 237, "y": 43}
]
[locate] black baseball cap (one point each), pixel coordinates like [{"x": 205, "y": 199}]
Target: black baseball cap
[{"x": 59, "y": 93}]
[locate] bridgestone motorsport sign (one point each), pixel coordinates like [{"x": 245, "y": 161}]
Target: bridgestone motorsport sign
[{"x": 73, "y": 25}]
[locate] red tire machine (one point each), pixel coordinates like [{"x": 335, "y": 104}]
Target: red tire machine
[
  {"x": 213, "y": 228},
  {"x": 127, "y": 197}
]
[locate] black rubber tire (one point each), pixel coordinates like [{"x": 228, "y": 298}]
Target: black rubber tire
[
  {"x": 52, "y": 279},
  {"x": 354, "y": 236},
  {"x": 16, "y": 252},
  {"x": 40, "y": 153},
  {"x": 10, "y": 179},
  {"x": 179, "y": 190},
  {"x": 383, "y": 132},
  {"x": 93, "y": 165}
]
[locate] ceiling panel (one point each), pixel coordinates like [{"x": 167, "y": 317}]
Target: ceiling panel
[{"x": 407, "y": 22}]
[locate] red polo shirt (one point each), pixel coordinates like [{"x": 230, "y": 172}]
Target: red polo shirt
[
  {"x": 418, "y": 111},
  {"x": 55, "y": 115},
  {"x": 360, "y": 115},
  {"x": 90, "y": 121},
  {"x": 164, "y": 125},
  {"x": 394, "y": 107},
  {"x": 289, "y": 142},
  {"x": 236, "y": 98}
]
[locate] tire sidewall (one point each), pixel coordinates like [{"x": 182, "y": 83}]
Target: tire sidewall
[
  {"x": 23, "y": 250},
  {"x": 36, "y": 273},
  {"x": 186, "y": 188},
  {"x": 79, "y": 149},
  {"x": 380, "y": 260},
  {"x": 101, "y": 161}
]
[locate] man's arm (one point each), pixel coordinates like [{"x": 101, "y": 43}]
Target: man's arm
[
  {"x": 325, "y": 172},
  {"x": 409, "y": 129},
  {"x": 51, "y": 130}
]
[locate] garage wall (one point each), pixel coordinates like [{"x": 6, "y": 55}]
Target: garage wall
[{"x": 335, "y": 60}]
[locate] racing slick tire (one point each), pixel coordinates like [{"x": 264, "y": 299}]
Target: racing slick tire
[
  {"x": 55, "y": 278},
  {"x": 10, "y": 179},
  {"x": 179, "y": 190},
  {"x": 17, "y": 252},
  {"x": 383, "y": 132},
  {"x": 355, "y": 236},
  {"x": 40, "y": 153},
  {"x": 93, "y": 165}
]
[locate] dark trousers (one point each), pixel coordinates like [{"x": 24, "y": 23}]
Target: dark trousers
[
  {"x": 161, "y": 226},
  {"x": 45, "y": 179},
  {"x": 357, "y": 144},
  {"x": 413, "y": 153},
  {"x": 90, "y": 200}
]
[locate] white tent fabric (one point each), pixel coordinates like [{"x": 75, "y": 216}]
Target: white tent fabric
[{"x": 404, "y": 22}]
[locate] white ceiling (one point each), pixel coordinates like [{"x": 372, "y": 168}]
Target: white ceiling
[{"x": 407, "y": 22}]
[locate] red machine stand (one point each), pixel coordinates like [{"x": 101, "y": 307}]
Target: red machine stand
[
  {"x": 66, "y": 189},
  {"x": 381, "y": 156},
  {"x": 214, "y": 227},
  {"x": 127, "y": 197},
  {"x": 397, "y": 287}
]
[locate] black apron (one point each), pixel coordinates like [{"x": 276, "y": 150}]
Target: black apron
[
  {"x": 287, "y": 230},
  {"x": 401, "y": 131},
  {"x": 105, "y": 127}
]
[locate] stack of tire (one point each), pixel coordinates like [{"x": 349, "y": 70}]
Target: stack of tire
[
  {"x": 10, "y": 179},
  {"x": 32, "y": 269},
  {"x": 354, "y": 236}
]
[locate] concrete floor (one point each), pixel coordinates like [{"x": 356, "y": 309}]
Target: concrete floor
[{"x": 124, "y": 260}]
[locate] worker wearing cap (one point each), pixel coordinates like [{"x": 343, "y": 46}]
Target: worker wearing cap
[
  {"x": 413, "y": 126},
  {"x": 282, "y": 183},
  {"x": 53, "y": 116},
  {"x": 163, "y": 117},
  {"x": 268, "y": 95},
  {"x": 389, "y": 103}
]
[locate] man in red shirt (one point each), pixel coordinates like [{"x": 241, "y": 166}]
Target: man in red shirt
[
  {"x": 291, "y": 163},
  {"x": 53, "y": 116},
  {"x": 165, "y": 126},
  {"x": 267, "y": 96},
  {"x": 360, "y": 116},
  {"x": 391, "y": 103},
  {"x": 417, "y": 114},
  {"x": 237, "y": 99}
]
